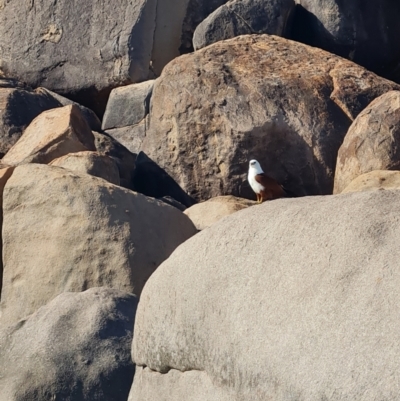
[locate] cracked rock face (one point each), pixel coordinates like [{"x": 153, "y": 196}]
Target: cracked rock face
[
  {"x": 285, "y": 104},
  {"x": 372, "y": 142},
  {"x": 294, "y": 299}
]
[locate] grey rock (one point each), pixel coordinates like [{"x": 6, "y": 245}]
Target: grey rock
[
  {"x": 294, "y": 299},
  {"x": 18, "y": 108},
  {"x": 132, "y": 136},
  {"x": 79, "y": 232},
  {"x": 76, "y": 348},
  {"x": 365, "y": 32},
  {"x": 242, "y": 17},
  {"x": 127, "y": 105}
]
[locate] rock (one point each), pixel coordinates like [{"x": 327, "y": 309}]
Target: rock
[
  {"x": 75, "y": 348},
  {"x": 132, "y": 136},
  {"x": 366, "y": 34},
  {"x": 171, "y": 201},
  {"x": 89, "y": 115},
  {"x": 207, "y": 213},
  {"x": 18, "y": 108},
  {"x": 108, "y": 146},
  {"x": 52, "y": 134},
  {"x": 90, "y": 163},
  {"x": 42, "y": 45},
  {"x": 260, "y": 97},
  {"x": 374, "y": 180},
  {"x": 289, "y": 300},
  {"x": 127, "y": 105},
  {"x": 151, "y": 180},
  {"x": 79, "y": 232},
  {"x": 242, "y": 17},
  {"x": 5, "y": 174},
  {"x": 372, "y": 141}
]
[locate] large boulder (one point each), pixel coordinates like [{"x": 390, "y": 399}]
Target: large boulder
[
  {"x": 79, "y": 232},
  {"x": 91, "y": 163},
  {"x": 131, "y": 136},
  {"x": 366, "y": 32},
  {"x": 205, "y": 214},
  {"x": 372, "y": 142},
  {"x": 53, "y": 134},
  {"x": 76, "y": 348},
  {"x": 294, "y": 299},
  {"x": 255, "y": 96},
  {"x": 374, "y": 180},
  {"x": 242, "y": 17},
  {"x": 19, "y": 107}
]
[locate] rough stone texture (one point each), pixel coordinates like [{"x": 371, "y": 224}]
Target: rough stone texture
[
  {"x": 285, "y": 104},
  {"x": 374, "y": 180},
  {"x": 79, "y": 232},
  {"x": 241, "y": 17},
  {"x": 5, "y": 174},
  {"x": 127, "y": 105},
  {"x": 207, "y": 213},
  {"x": 294, "y": 299},
  {"x": 366, "y": 32},
  {"x": 76, "y": 348},
  {"x": 90, "y": 163},
  {"x": 52, "y": 134},
  {"x": 75, "y": 48},
  {"x": 372, "y": 142},
  {"x": 108, "y": 146},
  {"x": 131, "y": 137},
  {"x": 151, "y": 180},
  {"x": 18, "y": 107},
  {"x": 90, "y": 116}
]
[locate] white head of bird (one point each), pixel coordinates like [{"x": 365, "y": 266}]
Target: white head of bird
[{"x": 254, "y": 168}]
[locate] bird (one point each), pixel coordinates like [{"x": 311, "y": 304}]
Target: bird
[{"x": 266, "y": 188}]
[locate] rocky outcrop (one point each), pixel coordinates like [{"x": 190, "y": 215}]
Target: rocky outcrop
[
  {"x": 207, "y": 213},
  {"x": 151, "y": 180},
  {"x": 18, "y": 107},
  {"x": 367, "y": 34},
  {"x": 131, "y": 136},
  {"x": 90, "y": 163},
  {"x": 75, "y": 348},
  {"x": 291, "y": 299},
  {"x": 374, "y": 180},
  {"x": 283, "y": 103},
  {"x": 372, "y": 142},
  {"x": 52, "y": 134},
  {"x": 242, "y": 17},
  {"x": 79, "y": 232}
]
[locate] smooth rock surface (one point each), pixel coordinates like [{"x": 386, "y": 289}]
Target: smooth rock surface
[
  {"x": 127, "y": 105},
  {"x": 243, "y": 17},
  {"x": 294, "y": 299},
  {"x": 374, "y": 180},
  {"x": 285, "y": 104},
  {"x": 52, "y": 134},
  {"x": 372, "y": 142},
  {"x": 366, "y": 32},
  {"x": 75, "y": 348},
  {"x": 132, "y": 136},
  {"x": 79, "y": 232},
  {"x": 91, "y": 163},
  {"x": 18, "y": 107},
  {"x": 205, "y": 214}
]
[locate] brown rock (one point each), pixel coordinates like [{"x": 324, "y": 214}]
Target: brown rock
[
  {"x": 207, "y": 213},
  {"x": 91, "y": 163},
  {"x": 285, "y": 104},
  {"x": 52, "y": 134},
  {"x": 374, "y": 180},
  {"x": 372, "y": 141},
  {"x": 79, "y": 232}
]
